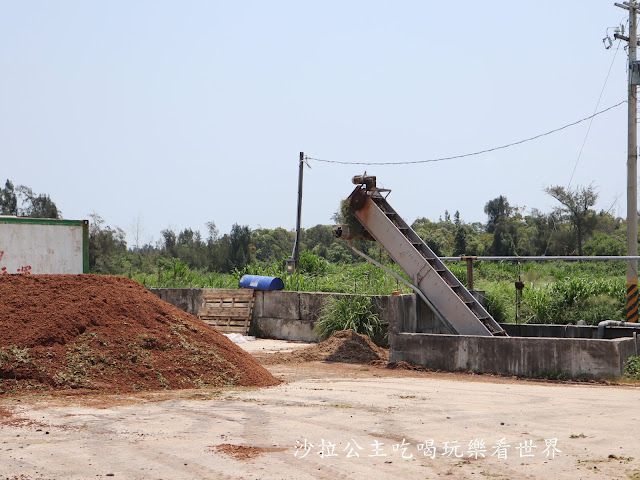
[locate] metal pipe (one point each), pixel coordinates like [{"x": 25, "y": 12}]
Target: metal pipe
[
  {"x": 567, "y": 258},
  {"x": 614, "y": 323}
]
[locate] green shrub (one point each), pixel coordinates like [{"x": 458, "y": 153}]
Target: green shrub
[
  {"x": 346, "y": 216},
  {"x": 632, "y": 367},
  {"x": 596, "y": 309},
  {"x": 497, "y": 307},
  {"x": 605, "y": 244},
  {"x": 572, "y": 299},
  {"x": 353, "y": 312},
  {"x": 312, "y": 263}
]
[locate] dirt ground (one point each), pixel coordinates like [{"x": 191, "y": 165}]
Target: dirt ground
[{"x": 369, "y": 422}]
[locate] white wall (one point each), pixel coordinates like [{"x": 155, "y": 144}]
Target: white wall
[{"x": 30, "y": 248}]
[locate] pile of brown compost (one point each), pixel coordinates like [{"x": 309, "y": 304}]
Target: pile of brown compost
[
  {"x": 110, "y": 334},
  {"x": 345, "y": 346}
]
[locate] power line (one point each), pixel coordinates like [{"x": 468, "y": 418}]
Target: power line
[
  {"x": 454, "y": 157},
  {"x": 595, "y": 109},
  {"x": 584, "y": 142}
]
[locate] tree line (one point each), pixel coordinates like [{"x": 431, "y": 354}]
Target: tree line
[
  {"x": 572, "y": 228},
  {"x": 21, "y": 201}
]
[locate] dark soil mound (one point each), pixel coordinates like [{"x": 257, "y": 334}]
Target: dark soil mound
[
  {"x": 345, "y": 346},
  {"x": 111, "y": 334}
]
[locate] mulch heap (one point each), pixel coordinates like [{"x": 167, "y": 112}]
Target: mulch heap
[
  {"x": 345, "y": 346},
  {"x": 110, "y": 334}
]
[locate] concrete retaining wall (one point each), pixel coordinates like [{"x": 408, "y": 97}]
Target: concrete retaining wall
[
  {"x": 278, "y": 314},
  {"x": 187, "y": 299},
  {"x": 532, "y": 357},
  {"x": 565, "y": 331},
  {"x": 293, "y": 315}
]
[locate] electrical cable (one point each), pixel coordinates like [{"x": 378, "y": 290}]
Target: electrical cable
[
  {"x": 454, "y": 157},
  {"x": 553, "y": 230},
  {"x": 594, "y": 110}
]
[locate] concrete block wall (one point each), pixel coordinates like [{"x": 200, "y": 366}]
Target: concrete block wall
[
  {"x": 293, "y": 316},
  {"x": 565, "y": 331},
  {"x": 278, "y": 314},
  {"x": 187, "y": 299},
  {"x": 525, "y": 356}
]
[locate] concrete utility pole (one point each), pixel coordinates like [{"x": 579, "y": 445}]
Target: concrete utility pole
[
  {"x": 292, "y": 262},
  {"x": 632, "y": 160},
  {"x": 296, "y": 250}
]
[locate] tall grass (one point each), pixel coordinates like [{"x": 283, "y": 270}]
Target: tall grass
[
  {"x": 348, "y": 313},
  {"x": 555, "y": 292},
  {"x": 573, "y": 299}
]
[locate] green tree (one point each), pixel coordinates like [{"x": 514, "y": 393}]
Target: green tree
[
  {"x": 338, "y": 252},
  {"x": 8, "y": 199},
  {"x": 214, "y": 259},
  {"x": 461, "y": 233},
  {"x": 501, "y": 225},
  {"x": 107, "y": 247},
  {"x": 438, "y": 236},
  {"x": 170, "y": 241},
  {"x": 497, "y": 211},
  {"x": 318, "y": 239},
  {"x": 538, "y": 230},
  {"x": 576, "y": 207},
  {"x": 36, "y": 206},
  {"x": 272, "y": 244},
  {"x": 605, "y": 244},
  {"x": 221, "y": 258},
  {"x": 191, "y": 249},
  {"x": 240, "y": 246}
]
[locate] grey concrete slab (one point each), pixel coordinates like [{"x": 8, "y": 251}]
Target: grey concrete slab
[{"x": 559, "y": 357}]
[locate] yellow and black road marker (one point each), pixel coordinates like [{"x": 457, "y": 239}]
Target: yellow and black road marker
[{"x": 632, "y": 302}]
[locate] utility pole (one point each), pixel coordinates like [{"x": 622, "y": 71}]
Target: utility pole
[
  {"x": 632, "y": 160},
  {"x": 296, "y": 252},
  {"x": 292, "y": 262}
]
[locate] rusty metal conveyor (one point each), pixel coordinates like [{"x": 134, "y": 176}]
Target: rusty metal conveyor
[{"x": 453, "y": 303}]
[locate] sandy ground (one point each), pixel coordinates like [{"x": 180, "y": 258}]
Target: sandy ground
[
  {"x": 374, "y": 423},
  {"x": 260, "y": 346}
]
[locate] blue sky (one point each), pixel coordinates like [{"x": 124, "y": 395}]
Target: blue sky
[{"x": 180, "y": 113}]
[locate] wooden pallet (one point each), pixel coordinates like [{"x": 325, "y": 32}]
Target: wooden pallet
[{"x": 228, "y": 310}]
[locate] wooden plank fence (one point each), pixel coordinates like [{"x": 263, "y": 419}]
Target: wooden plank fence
[{"x": 228, "y": 310}]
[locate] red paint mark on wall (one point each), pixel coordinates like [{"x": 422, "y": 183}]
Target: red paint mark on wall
[{"x": 24, "y": 270}]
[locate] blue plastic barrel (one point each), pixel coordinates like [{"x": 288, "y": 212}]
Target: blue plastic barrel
[{"x": 261, "y": 283}]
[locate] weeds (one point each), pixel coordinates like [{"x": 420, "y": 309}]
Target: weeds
[
  {"x": 151, "y": 343},
  {"x": 20, "y": 355},
  {"x": 347, "y": 313},
  {"x": 552, "y": 374},
  {"x": 12, "y": 359},
  {"x": 632, "y": 367},
  {"x": 572, "y": 299}
]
